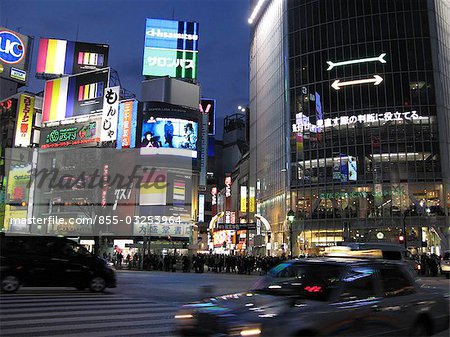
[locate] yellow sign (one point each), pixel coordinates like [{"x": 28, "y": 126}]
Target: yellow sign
[
  {"x": 15, "y": 220},
  {"x": 252, "y": 200},
  {"x": 243, "y": 199},
  {"x": 24, "y": 121}
]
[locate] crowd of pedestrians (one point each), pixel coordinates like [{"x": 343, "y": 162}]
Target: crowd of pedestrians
[{"x": 428, "y": 265}]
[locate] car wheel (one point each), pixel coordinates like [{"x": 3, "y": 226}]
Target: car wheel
[
  {"x": 420, "y": 328},
  {"x": 97, "y": 284},
  {"x": 10, "y": 284}
]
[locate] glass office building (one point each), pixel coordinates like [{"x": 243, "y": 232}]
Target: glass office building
[{"x": 362, "y": 116}]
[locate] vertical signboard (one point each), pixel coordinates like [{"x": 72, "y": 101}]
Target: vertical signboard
[
  {"x": 228, "y": 198},
  {"x": 201, "y": 208},
  {"x": 171, "y": 48},
  {"x": 204, "y": 147},
  {"x": 243, "y": 203},
  {"x": 14, "y": 55},
  {"x": 110, "y": 114},
  {"x": 352, "y": 169},
  {"x": 252, "y": 199},
  {"x": 126, "y": 133},
  {"x": 24, "y": 121},
  {"x": 213, "y": 200}
]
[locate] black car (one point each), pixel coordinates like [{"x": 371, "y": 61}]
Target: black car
[
  {"x": 323, "y": 297},
  {"x": 42, "y": 261}
]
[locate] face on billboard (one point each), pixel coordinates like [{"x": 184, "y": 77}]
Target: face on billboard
[
  {"x": 14, "y": 56},
  {"x": 74, "y": 96},
  {"x": 171, "y": 48},
  {"x": 61, "y": 57},
  {"x": 169, "y": 136}
]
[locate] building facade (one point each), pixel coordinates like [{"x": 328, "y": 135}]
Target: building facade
[{"x": 351, "y": 121}]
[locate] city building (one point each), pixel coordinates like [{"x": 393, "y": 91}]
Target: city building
[{"x": 350, "y": 122}]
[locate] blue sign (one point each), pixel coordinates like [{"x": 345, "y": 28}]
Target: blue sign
[{"x": 12, "y": 49}]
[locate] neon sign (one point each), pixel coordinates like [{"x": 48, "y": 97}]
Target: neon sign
[
  {"x": 380, "y": 59},
  {"x": 376, "y": 80},
  {"x": 304, "y": 123}
]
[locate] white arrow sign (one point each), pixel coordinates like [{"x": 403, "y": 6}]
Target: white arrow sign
[
  {"x": 380, "y": 58},
  {"x": 376, "y": 81}
]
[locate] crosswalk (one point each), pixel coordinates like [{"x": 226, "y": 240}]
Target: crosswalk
[{"x": 76, "y": 313}]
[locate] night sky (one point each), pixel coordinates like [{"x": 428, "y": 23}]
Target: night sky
[{"x": 223, "y": 38}]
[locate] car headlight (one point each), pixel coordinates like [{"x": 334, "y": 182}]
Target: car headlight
[
  {"x": 185, "y": 316},
  {"x": 251, "y": 332}
]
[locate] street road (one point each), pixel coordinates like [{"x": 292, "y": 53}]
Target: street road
[{"x": 143, "y": 304}]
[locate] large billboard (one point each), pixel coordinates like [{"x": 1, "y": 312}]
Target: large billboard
[
  {"x": 24, "y": 121},
  {"x": 74, "y": 96},
  {"x": 171, "y": 48},
  {"x": 14, "y": 55},
  {"x": 61, "y": 57},
  {"x": 70, "y": 135},
  {"x": 169, "y": 136}
]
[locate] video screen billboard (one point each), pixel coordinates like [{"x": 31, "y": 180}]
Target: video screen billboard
[
  {"x": 74, "y": 96},
  {"x": 14, "y": 55},
  {"x": 171, "y": 48},
  {"x": 61, "y": 57},
  {"x": 169, "y": 136}
]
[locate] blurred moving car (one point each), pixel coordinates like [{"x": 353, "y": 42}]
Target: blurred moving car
[
  {"x": 389, "y": 251},
  {"x": 323, "y": 297},
  {"x": 445, "y": 264},
  {"x": 51, "y": 262}
]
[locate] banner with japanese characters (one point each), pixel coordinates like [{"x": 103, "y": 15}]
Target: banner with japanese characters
[
  {"x": 110, "y": 114},
  {"x": 24, "y": 121}
]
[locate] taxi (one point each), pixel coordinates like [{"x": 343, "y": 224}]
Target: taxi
[{"x": 345, "y": 294}]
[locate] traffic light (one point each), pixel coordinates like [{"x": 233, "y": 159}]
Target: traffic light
[{"x": 401, "y": 239}]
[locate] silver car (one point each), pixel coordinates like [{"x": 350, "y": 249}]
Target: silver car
[{"x": 323, "y": 297}]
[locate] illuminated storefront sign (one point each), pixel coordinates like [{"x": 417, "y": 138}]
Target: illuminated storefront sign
[
  {"x": 351, "y": 195},
  {"x": 171, "y": 48},
  {"x": 332, "y": 64},
  {"x": 252, "y": 200},
  {"x": 24, "y": 121},
  {"x": 304, "y": 124},
  {"x": 79, "y": 134}
]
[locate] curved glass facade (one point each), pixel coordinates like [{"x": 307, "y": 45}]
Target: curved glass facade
[{"x": 365, "y": 148}]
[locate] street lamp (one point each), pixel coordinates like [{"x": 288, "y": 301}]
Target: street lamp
[{"x": 290, "y": 217}]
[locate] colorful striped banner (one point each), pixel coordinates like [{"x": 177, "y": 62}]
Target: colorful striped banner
[{"x": 52, "y": 57}]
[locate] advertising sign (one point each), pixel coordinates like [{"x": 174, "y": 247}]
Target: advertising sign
[
  {"x": 243, "y": 207},
  {"x": 208, "y": 106},
  {"x": 201, "y": 208},
  {"x": 110, "y": 114},
  {"x": 171, "y": 48},
  {"x": 61, "y": 57},
  {"x": 352, "y": 169},
  {"x": 14, "y": 55},
  {"x": 70, "y": 135},
  {"x": 126, "y": 133},
  {"x": 169, "y": 136},
  {"x": 24, "y": 121},
  {"x": 74, "y": 96},
  {"x": 17, "y": 184},
  {"x": 175, "y": 230},
  {"x": 252, "y": 199}
]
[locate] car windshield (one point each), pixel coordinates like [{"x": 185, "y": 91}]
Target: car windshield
[{"x": 305, "y": 281}]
